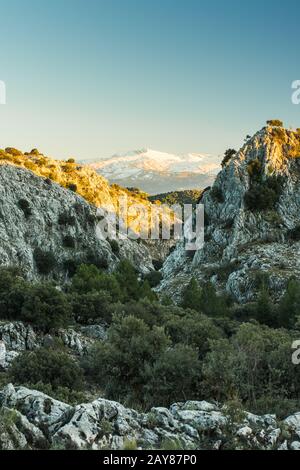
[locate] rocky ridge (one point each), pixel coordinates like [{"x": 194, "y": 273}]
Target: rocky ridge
[
  {"x": 240, "y": 244},
  {"x": 37, "y": 214}
]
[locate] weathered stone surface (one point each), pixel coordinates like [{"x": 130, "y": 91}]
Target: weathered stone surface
[
  {"x": 243, "y": 241},
  {"x": 42, "y": 421},
  {"x": 18, "y": 336},
  {"x": 21, "y": 234},
  {"x": 97, "y": 332}
]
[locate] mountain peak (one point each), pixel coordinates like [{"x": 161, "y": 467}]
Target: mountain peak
[
  {"x": 252, "y": 221},
  {"x": 154, "y": 171}
]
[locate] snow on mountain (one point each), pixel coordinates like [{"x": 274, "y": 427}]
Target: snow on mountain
[{"x": 155, "y": 171}]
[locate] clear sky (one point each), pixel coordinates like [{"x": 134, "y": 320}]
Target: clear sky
[{"x": 91, "y": 78}]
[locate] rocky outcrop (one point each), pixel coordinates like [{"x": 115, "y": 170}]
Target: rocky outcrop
[
  {"x": 19, "y": 337},
  {"x": 242, "y": 243},
  {"x": 40, "y": 421},
  {"x": 39, "y": 216}
]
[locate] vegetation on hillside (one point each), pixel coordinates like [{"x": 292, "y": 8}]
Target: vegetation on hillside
[{"x": 157, "y": 352}]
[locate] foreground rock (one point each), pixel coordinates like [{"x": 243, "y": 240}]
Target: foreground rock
[
  {"x": 34, "y": 420},
  {"x": 37, "y": 215}
]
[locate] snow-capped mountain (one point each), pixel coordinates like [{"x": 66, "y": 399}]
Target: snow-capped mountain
[{"x": 155, "y": 172}]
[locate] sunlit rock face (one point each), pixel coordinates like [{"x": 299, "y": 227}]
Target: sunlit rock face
[
  {"x": 38, "y": 214},
  {"x": 242, "y": 238}
]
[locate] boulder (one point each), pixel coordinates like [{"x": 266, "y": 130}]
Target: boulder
[{"x": 41, "y": 422}]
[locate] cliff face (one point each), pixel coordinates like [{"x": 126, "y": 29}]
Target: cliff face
[
  {"x": 252, "y": 215},
  {"x": 96, "y": 190},
  {"x": 38, "y": 217}
]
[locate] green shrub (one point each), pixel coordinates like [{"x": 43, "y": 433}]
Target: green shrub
[
  {"x": 34, "y": 152},
  {"x": 13, "y": 151},
  {"x": 289, "y": 305},
  {"x": 69, "y": 241},
  {"x": 157, "y": 264},
  {"x": 72, "y": 187},
  {"x": 66, "y": 219},
  {"x": 255, "y": 362},
  {"x": 127, "y": 278},
  {"x": 192, "y": 329},
  {"x": 89, "y": 278},
  {"x": 191, "y": 297},
  {"x": 204, "y": 299},
  {"x": 225, "y": 269},
  {"x": 114, "y": 246},
  {"x": 92, "y": 306},
  {"x": 64, "y": 394},
  {"x": 12, "y": 292},
  {"x": 48, "y": 367},
  {"x": 71, "y": 266},
  {"x": 152, "y": 313},
  {"x": 45, "y": 260},
  {"x": 254, "y": 168},
  {"x": 181, "y": 367},
  {"x": 130, "y": 444},
  {"x": 118, "y": 365},
  {"x": 96, "y": 259},
  {"x": 264, "y": 195},
  {"x": 45, "y": 307},
  {"x": 294, "y": 233},
  {"x": 25, "y": 207}
]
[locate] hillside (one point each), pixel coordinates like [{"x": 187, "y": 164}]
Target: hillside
[
  {"x": 85, "y": 182},
  {"x": 251, "y": 222},
  {"x": 155, "y": 172},
  {"x": 46, "y": 229}
]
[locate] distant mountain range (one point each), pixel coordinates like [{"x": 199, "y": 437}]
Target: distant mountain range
[{"x": 156, "y": 172}]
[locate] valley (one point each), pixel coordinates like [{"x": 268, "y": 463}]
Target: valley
[{"x": 109, "y": 345}]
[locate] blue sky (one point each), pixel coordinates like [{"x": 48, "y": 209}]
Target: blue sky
[{"x": 95, "y": 77}]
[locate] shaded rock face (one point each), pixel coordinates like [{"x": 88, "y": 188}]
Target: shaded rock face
[
  {"x": 240, "y": 242},
  {"x": 38, "y": 214},
  {"x": 44, "y": 422}
]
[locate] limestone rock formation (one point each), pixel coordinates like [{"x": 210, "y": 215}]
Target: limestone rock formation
[
  {"x": 252, "y": 217},
  {"x": 38, "y": 421},
  {"x": 38, "y": 217}
]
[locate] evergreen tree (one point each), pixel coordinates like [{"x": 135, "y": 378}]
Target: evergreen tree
[
  {"x": 289, "y": 306},
  {"x": 127, "y": 277},
  {"x": 264, "y": 310}
]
